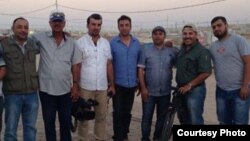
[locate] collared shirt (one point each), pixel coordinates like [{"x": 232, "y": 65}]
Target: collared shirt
[
  {"x": 22, "y": 47},
  {"x": 56, "y": 63},
  {"x": 191, "y": 63},
  {"x": 94, "y": 65},
  {"x": 125, "y": 60},
  {"x": 158, "y": 64}
]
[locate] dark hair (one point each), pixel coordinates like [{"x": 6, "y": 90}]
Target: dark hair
[
  {"x": 124, "y": 17},
  {"x": 94, "y": 16},
  {"x": 224, "y": 20},
  {"x": 19, "y": 18}
]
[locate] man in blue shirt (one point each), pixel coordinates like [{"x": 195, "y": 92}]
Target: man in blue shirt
[
  {"x": 125, "y": 50},
  {"x": 155, "y": 76}
]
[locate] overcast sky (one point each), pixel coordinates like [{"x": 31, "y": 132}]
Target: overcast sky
[{"x": 144, "y": 13}]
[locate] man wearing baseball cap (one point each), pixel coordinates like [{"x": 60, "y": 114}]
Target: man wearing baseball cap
[
  {"x": 193, "y": 68},
  {"x": 57, "y": 16},
  {"x": 60, "y": 60},
  {"x": 159, "y": 28},
  {"x": 155, "y": 75}
]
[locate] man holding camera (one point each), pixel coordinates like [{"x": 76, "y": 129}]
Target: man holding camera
[{"x": 96, "y": 70}]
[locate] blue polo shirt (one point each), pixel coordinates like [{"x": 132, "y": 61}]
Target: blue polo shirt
[
  {"x": 158, "y": 65},
  {"x": 125, "y": 59}
]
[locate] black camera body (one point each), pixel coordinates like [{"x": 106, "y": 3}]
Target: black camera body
[
  {"x": 110, "y": 94},
  {"x": 81, "y": 109}
]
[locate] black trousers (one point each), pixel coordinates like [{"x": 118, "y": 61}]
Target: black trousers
[
  {"x": 51, "y": 105},
  {"x": 122, "y": 106}
]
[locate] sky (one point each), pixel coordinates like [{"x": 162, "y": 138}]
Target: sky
[{"x": 144, "y": 13}]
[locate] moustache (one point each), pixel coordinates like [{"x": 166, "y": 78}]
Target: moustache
[
  {"x": 187, "y": 39},
  {"x": 57, "y": 25}
]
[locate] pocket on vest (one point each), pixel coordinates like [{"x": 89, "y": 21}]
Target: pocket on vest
[
  {"x": 34, "y": 81},
  {"x": 14, "y": 84}
]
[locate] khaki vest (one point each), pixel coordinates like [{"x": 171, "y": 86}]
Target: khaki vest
[{"x": 21, "y": 68}]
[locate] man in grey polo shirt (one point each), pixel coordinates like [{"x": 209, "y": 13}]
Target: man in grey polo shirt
[
  {"x": 59, "y": 60},
  {"x": 155, "y": 76}
]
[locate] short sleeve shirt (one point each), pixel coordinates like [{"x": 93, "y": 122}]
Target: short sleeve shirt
[
  {"x": 191, "y": 63},
  {"x": 94, "y": 65},
  {"x": 55, "y": 65},
  {"x": 158, "y": 64},
  {"x": 227, "y": 59}
]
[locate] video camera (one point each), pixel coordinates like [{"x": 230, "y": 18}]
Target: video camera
[{"x": 81, "y": 110}]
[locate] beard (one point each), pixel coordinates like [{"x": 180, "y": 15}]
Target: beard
[
  {"x": 21, "y": 37},
  {"x": 158, "y": 42},
  {"x": 94, "y": 33},
  {"x": 221, "y": 35},
  {"x": 124, "y": 34}
]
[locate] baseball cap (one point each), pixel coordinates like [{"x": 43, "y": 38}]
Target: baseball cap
[
  {"x": 57, "y": 16},
  {"x": 190, "y": 26},
  {"x": 159, "y": 28}
]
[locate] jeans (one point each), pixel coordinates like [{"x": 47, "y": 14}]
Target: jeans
[
  {"x": 192, "y": 108},
  {"x": 25, "y": 105},
  {"x": 161, "y": 103},
  {"x": 122, "y": 105},
  {"x": 50, "y": 105},
  {"x": 231, "y": 109}
]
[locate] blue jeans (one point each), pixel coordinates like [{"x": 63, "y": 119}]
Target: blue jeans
[
  {"x": 25, "y": 105},
  {"x": 50, "y": 105},
  {"x": 122, "y": 105},
  {"x": 161, "y": 103},
  {"x": 231, "y": 109},
  {"x": 193, "y": 106}
]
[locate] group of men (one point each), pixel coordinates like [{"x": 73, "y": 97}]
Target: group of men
[{"x": 92, "y": 66}]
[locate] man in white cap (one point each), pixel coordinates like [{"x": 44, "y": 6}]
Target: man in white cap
[{"x": 193, "y": 68}]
